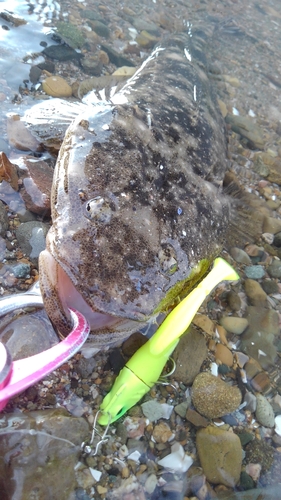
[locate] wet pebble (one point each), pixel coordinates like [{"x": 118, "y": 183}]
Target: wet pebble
[
  {"x": 181, "y": 408},
  {"x": 270, "y": 286},
  {"x": 240, "y": 256},
  {"x": 4, "y": 221},
  {"x": 192, "y": 346},
  {"x": 271, "y": 225},
  {"x": 220, "y": 455},
  {"x": 85, "y": 366},
  {"x": 152, "y": 410},
  {"x": 31, "y": 237},
  {"x": 274, "y": 270},
  {"x": 100, "y": 28},
  {"x": 255, "y": 293},
  {"x": 224, "y": 355},
  {"x": 277, "y": 240},
  {"x": 162, "y": 433},
  {"x": 37, "y": 178},
  {"x": 264, "y": 412},
  {"x": 150, "y": 483},
  {"x": 62, "y": 53},
  {"x": 212, "y": 397},
  {"x": 261, "y": 382},
  {"x": 233, "y": 300},
  {"x": 56, "y": 86},
  {"x": 254, "y": 272},
  {"x": 234, "y": 324},
  {"x": 20, "y": 270}
]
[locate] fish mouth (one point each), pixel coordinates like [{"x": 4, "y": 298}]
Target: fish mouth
[{"x": 59, "y": 294}]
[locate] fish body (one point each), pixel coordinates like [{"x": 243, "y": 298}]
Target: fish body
[{"x": 137, "y": 209}]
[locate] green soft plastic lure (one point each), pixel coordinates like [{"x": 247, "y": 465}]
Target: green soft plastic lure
[{"x": 142, "y": 371}]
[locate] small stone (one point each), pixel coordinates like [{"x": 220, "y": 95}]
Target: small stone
[
  {"x": 19, "y": 136},
  {"x": 224, "y": 355},
  {"x": 101, "y": 489},
  {"x": 126, "y": 71},
  {"x": 255, "y": 293},
  {"x": 62, "y": 53},
  {"x": 220, "y": 454},
  {"x": 56, "y": 86},
  {"x": 162, "y": 433},
  {"x": 253, "y": 251},
  {"x": 31, "y": 237},
  {"x": 234, "y": 324},
  {"x": 252, "y": 367},
  {"x": 261, "y": 382},
  {"x": 152, "y": 410},
  {"x": 125, "y": 472},
  {"x": 274, "y": 270},
  {"x": 268, "y": 237},
  {"x": 150, "y": 484},
  {"x": 214, "y": 398},
  {"x": 8, "y": 171},
  {"x": 222, "y": 334},
  {"x": 264, "y": 412},
  {"x": 37, "y": 178},
  {"x": 254, "y": 272},
  {"x": 20, "y": 270},
  {"x": 233, "y": 300},
  {"x": 270, "y": 286},
  {"x": 271, "y": 225},
  {"x": 245, "y": 437},
  {"x": 240, "y": 256},
  {"x": 100, "y": 28},
  {"x": 181, "y": 408},
  {"x": 254, "y": 471},
  {"x": 241, "y": 358},
  {"x": 4, "y": 221},
  {"x": 246, "y": 482},
  {"x": 205, "y": 323},
  {"x": 277, "y": 240},
  {"x": 192, "y": 346},
  {"x": 195, "y": 418}
]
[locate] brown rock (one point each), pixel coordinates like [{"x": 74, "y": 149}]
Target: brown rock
[
  {"x": 189, "y": 356},
  {"x": 19, "y": 136},
  {"x": 255, "y": 293},
  {"x": 162, "y": 433},
  {"x": 56, "y": 86},
  {"x": 252, "y": 368},
  {"x": 195, "y": 418},
  {"x": 214, "y": 398},
  {"x": 8, "y": 171},
  {"x": 271, "y": 225},
  {"x": 37, "y": 182},
  {"x": 205, "y": 323},
  {"x": 220, "y": 454},
  {"x": 261, "y": 382},
  {"x": 224, "y": 355}
]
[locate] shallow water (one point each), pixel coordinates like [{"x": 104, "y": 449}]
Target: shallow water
[{"x": 245, "y": 70}]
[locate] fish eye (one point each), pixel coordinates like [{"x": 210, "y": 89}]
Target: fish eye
[{"x": 98, "y": 209}]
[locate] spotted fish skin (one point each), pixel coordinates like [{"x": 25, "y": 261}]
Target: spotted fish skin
[{"x": 136, "y": 199}]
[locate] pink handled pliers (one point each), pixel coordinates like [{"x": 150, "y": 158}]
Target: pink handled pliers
[{"x": 16, "y": 376}]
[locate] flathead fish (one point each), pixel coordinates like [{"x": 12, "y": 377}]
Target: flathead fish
[{"x": 137, "y": 207}]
